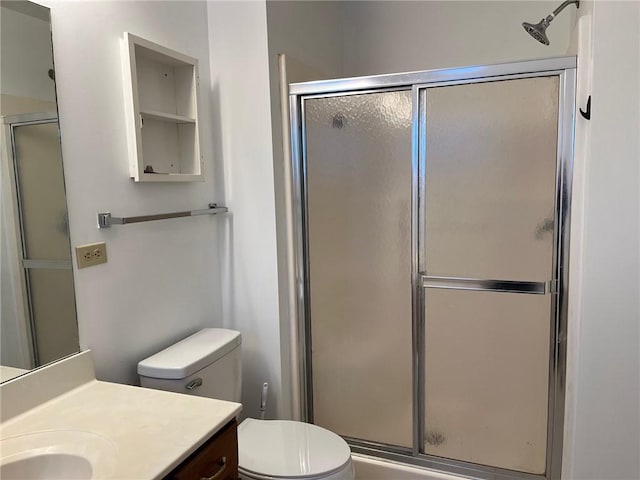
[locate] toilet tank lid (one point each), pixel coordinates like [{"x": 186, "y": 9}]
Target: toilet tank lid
[{"x": 191, "y": 354}]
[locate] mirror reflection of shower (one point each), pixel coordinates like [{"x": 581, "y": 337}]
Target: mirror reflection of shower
[
  {"x": 38, "y": 304},
  {"x": 38, "y": 312},
  {"x": 538, "y": 30}
]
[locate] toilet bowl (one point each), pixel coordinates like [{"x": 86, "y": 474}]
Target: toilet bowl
[{"x": 208, "y": 364}]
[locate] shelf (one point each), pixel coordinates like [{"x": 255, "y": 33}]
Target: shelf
[
  {"x": 166, "y": 117},
  {"x": 161, "y": 87}
]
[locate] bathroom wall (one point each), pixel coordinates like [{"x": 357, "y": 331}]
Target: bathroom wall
[
  {"x": 310, "y": 31},
  {"x": 602, "y": 438},
  {"x": 242, "y": 133},
  {"x": 311, "y": 37},
  {"x": 162, "y": 281},
  {"x": 22, "y": 32},
  {"x": 400, "y": 36}
]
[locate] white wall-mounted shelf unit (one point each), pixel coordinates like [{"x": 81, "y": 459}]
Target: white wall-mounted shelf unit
[{"x": 161, "y": 101}]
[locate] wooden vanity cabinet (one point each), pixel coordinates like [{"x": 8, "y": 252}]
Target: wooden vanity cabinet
[{"x": 217, "y": 459}]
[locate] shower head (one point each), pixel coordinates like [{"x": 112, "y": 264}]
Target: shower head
[{"x": 538, "y": 31}]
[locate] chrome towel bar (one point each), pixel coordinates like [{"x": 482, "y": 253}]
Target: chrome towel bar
[{"x": 105, "y": 220}]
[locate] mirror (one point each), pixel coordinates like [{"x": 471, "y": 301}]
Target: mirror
[{"x": 38, "y": 312}]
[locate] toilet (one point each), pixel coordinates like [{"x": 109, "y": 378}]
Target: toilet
[{"x": 209, "y": 364}]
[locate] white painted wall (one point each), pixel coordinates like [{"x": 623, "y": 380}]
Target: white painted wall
[
  {"x": 26, "y": 56},
  {"x": 162, "y": 281},
  {"x": 399, "y": 36},
  {"x": 602, "y": 438},
  {"x": 309, "y": 31},
  {"x": 242, "y": 130}
]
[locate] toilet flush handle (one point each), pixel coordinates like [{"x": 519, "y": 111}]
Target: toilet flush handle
[{"x": 195, "y": 383}]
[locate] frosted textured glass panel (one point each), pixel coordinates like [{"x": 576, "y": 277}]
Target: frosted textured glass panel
[
  {"x": 490, "y": 173},
  {"x": 359, "y": 220},
  {"x": 487, "y": 372},
  {"x": 42, "y": 195},
  {"x": 54, "y": 313}
]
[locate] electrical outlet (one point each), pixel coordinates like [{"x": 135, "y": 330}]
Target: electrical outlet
[{"x": 92, "y": 254}]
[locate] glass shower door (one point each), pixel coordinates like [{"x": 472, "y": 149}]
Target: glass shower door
[
  {"x": 431, "y": 247},
  {"x": 358, "y": 169},
  {"x": 489, "y": 210},
  {"x": 46, "y": 247}
]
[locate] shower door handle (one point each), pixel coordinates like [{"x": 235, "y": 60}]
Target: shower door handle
[{"x": 509, "y": 286}]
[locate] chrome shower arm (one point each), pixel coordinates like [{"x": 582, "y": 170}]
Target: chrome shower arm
[{"x": 564, "y": 5}]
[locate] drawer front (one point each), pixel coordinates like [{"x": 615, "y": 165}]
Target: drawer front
[{"x": 215, "y": 460}]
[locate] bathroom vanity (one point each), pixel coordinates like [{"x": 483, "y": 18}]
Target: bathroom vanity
[
  {"x": 217, "y": 459},
  {"x": 61, "y": 417}
]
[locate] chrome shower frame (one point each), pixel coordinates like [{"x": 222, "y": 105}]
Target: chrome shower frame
[
  {"x": 9, "y": 124},
  {"x": 565, "y": 69}
]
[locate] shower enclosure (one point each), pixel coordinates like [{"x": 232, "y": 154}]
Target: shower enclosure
[
  {"x": 39, "y": 311},
  {"x": 432, "y": 214}
]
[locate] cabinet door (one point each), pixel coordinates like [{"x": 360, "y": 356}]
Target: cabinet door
[{"x": 215, "y": 460}]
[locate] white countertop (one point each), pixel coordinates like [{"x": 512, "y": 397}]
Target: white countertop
[
  {"x": 146, "y": 433},
  {"x": 7, "y": 373}
]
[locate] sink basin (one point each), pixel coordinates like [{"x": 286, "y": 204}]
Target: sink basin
[
  {"x": 49, "y": 466},
  {"x": 56, "y": 455}
]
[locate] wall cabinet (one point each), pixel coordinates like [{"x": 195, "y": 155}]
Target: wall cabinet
[
  {"x": 161, "y": 103},
  {"x": 217, "y": 459}
]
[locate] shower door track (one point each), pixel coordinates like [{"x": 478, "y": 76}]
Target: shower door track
[{"x": 564, "y": 68}]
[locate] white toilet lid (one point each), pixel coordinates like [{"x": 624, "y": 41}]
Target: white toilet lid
[{"x": 282, "y": 448}]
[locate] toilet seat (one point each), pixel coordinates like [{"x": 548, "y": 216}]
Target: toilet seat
[
  {"x": 285, "y": 449},
  {"x": 346, "y": 473}
]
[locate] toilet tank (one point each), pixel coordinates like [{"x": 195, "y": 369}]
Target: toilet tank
[{"x": 207, "y": 364}]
